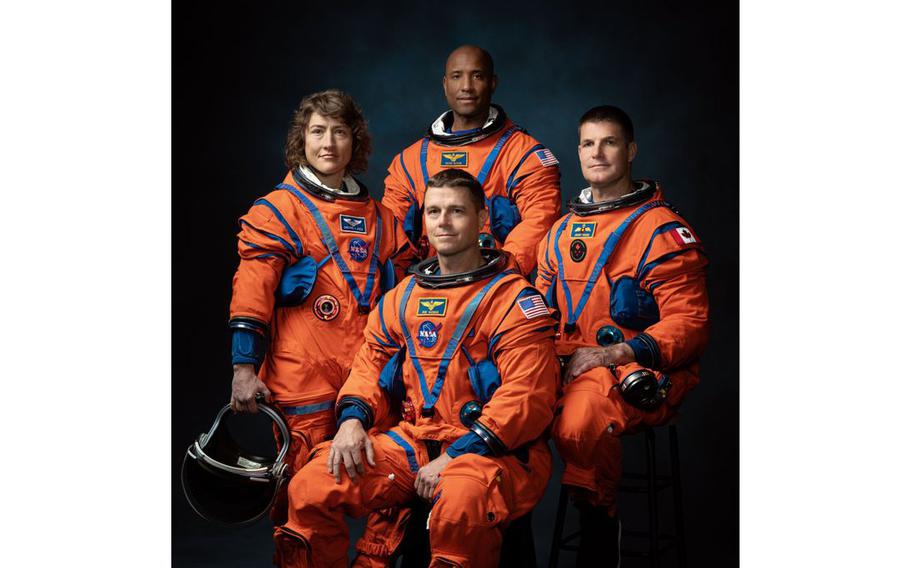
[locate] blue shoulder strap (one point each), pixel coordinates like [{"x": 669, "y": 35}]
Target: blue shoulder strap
[
  {"x": 494, "y": 153},
  {"x": 363, "y": 299},
  {"x": 609, "y": 247},
  {"x": 423, "y": 161},
  {"x": 429, "y": 396}
]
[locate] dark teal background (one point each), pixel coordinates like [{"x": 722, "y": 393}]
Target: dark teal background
[{"x": 241, "y": 69}]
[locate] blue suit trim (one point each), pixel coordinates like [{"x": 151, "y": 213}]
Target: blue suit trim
[
  {"x": 512, "y": 182},
  {"x": 494, "y": 153},
  {"x": 280, "y": 217},
  {"x": 274, "y": 237},
  {"x": 408, "y": 450},
  {"x": 309, "y": 408},
  {"x": 423, "y": 162},
  {"x": 406, "y": 173}
]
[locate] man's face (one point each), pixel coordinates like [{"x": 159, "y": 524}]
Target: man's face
[
  {"x": 452, "y": 220},
  {"x": 603, "y": 153},
  {"x": 468, "y": 83},
  {"x": 329, "y": 143}
]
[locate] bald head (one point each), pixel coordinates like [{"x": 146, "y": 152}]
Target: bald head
[{"x": 471, "y": 52}]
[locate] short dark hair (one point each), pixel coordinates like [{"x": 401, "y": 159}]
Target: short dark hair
[
  {"x": 609, "y": 113},
  {"x": 454, "y": 177},
  {"x": 333, "y": 104}
]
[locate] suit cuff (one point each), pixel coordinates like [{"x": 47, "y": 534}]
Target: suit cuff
[
  {"x": 470, "y": 443},
  {"x": 352, "y": 407},
  {"x": 647, "y": 354}
]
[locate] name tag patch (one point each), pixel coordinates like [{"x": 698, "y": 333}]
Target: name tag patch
[
  {"x": 454, "y": 160},
  {"x": 433, "y": 307},
  {"x": 351, "y": 224},
  {"x": 583, "y": 230}
]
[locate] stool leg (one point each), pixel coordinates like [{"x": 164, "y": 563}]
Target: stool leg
[
  {"x": 557, "y": 529},
  {"x": 677, "y": 499},
  {"x": 651, "y": 460}
]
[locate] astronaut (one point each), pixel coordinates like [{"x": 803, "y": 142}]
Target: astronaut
[
  {"x": 627, "y": 275},
  {"x": 519, "y": 175},
  {"x": 315, "y": 256},
  {"x": 465, "y": 346}
]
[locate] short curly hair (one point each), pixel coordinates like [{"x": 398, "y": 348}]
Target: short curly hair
[{"x": 333, "y": 104}]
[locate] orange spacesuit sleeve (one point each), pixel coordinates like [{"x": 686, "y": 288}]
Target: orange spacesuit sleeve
[
  {"x": 523, "y": 348},
  {"x": 536, "y": 194},
  {"x": 546, "y": 265},
  {"x": 673, "y": 271},
  {"x": 364, "y": 388},
  {"x": 399, "y": 193},
  {"x": 404, "y": 254},
  {"x": 266, "y": 243}
]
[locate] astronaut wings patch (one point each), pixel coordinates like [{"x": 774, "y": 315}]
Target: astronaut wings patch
[{"x": 533, "y": 306}]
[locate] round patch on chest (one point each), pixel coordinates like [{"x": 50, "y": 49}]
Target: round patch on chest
[
  {"x": 428, "y": 333},
  {"x": 578, "y": 250},
  {"x": 326, "y": 307},
  {"x": 358, "y": 250}
]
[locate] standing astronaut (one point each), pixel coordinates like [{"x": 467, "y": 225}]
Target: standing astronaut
[
  {"x": 465, "y": 345},
  {"x": 520, "y": 176},
  {"x": 315, "y": 256},
  {"x": 627, "y": 275}
]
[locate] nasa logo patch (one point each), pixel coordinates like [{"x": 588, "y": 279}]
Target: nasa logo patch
[
  {"x": 578, "y": 250},
  {"x": 428, "y": 333},
  {"x": 326, "y": 307},
  {"x": 358, "y": 250},
  {"x": 454, "y": 160}
]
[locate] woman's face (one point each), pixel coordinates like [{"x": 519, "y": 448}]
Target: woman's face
[{"x": 328, "y": 144}]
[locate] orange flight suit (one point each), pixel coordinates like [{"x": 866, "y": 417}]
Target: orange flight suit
[
  {"x": 306, "y": 349},
  {"x": 657, "y": 255},
  {"x": 447, "y": 340},
  {"x": 520, "y": 178}
]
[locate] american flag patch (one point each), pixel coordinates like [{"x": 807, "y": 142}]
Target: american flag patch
[
  {"x": 533, "y": 306},
  {"x": 546, "y": 157}
]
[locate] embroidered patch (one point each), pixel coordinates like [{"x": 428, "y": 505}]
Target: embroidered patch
[
  {"x": 434, "y": 307},
  {"x": 683, "y": 236},
  {"x": 454, "y": 160},
  {"x": 351, "y": 224},
  {"x": 428, "y": 333},
  {"x": 583, "y": 230},
  {"x": 578, "y": 250},
  {"x": 326, "y": 307},
  {"x": 546, "y": 157},
  {"x": 533, "y": 306},
  {"x": 358, "y": 250}
]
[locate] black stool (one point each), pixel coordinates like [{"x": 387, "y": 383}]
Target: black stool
[
  {"x": 649, "y": 483},
  {"x": 414, "y": 551}
]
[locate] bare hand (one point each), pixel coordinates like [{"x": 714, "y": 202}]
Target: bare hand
[
  {"x": 244, "y": 388},
  {"x": 587, "y": 358},
  {"x": 347, "y": 448},
  {"x": 428, "y": 476}
]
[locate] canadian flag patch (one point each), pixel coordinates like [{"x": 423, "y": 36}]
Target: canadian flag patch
[{"x": 683, "y": 236}]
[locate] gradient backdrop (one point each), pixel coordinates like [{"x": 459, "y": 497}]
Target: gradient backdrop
[{"x": 239, "y": 72}]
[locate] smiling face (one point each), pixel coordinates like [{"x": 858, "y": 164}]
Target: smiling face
[
  {"x": 329, "y": 143},
  {"x": 452, "y": 220},
  {"x": 469, "y": 84},
  {"x": 604, "y": 154}
]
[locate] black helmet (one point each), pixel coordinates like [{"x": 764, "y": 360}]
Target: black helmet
[{"x": 228, "y": 485}]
